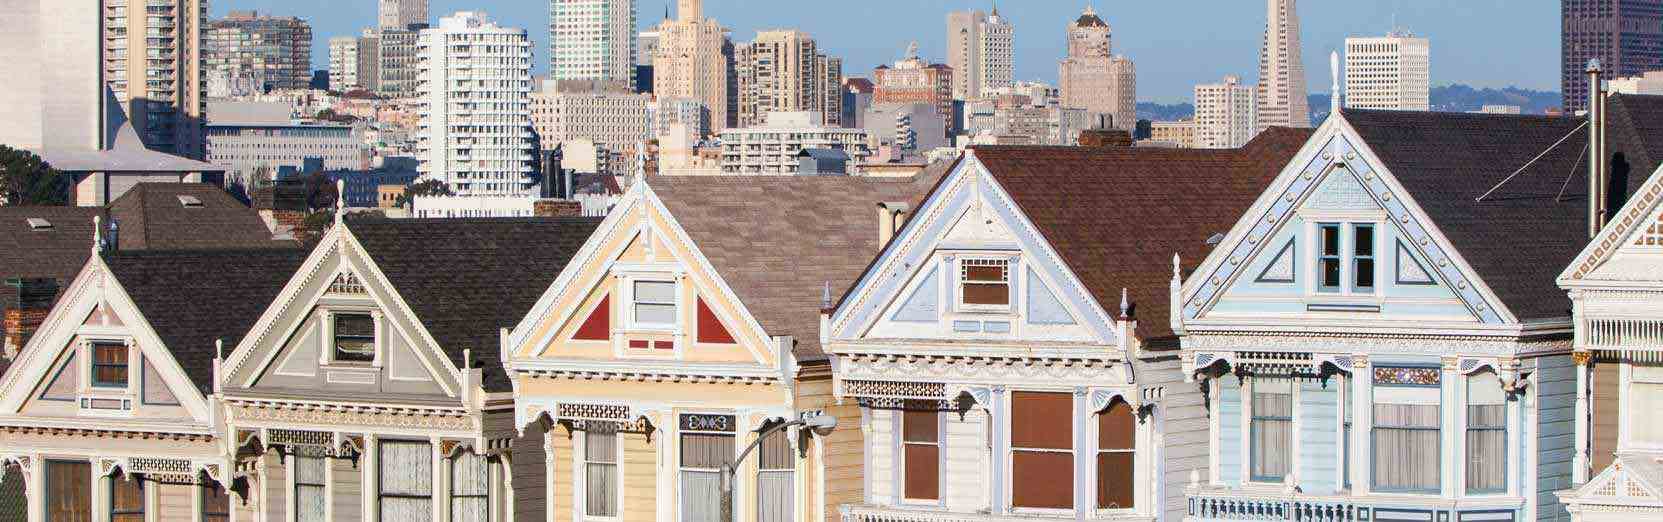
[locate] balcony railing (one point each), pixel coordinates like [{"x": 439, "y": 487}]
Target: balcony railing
[
  {"x": 870, "y": 513},
  {"x": 1216, "y": 504}
]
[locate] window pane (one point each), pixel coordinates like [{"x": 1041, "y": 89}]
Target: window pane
[
  {"x": 922, "y": 471},
  {"x": 655, "y": 313},
  {"x": 354, "y": 338},
  {"x": 1406, "y": 434},
  {"x": 109, "y": 365},
  {"x": 705, "y": 450},
  {"x": 1116, "y": 475},
  {"x": 1272, "y": 428},
  {"x": 1117, "y": 427},
  {"x": 126, "y": 499},
  {"x": 1042, "y": 420},
  {"x": 216, "y": 504},
  {"x": 985, "y": 273},
  {"x": 655, "y": 292},
  {"x": 1330, "y": 273},
  {"x": 775, "y": 494},
  {"x": 1486, "y": 449},
  {"x": 1330, "y": 240},
  {"x": 701, "y": 496},
  {"x": 406, "y": 481},
  {"x": 68, "y": 491},
  {"x": 601, "y": 490},
  {"x": 1042, "y": 479},
  {"x": 987, "y": 294},
  {"x": 1645, "y": 396},
  {"x": 1363, "y": 273},
  {"x": 1363, "y": 241},
  {"x": 775, "y": 452},
  {"x": 600, "y": 445},
  {"x": 920, "y": 426}
]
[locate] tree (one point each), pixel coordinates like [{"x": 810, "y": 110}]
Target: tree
[
  {"x": 426, "y": 187},
  {"x": 27, "y": 180}
]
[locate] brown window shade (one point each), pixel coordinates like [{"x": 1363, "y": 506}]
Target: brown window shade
[
  {"x": 986, "y": 282},
  {"x": 216, "y": 504},
  {"x": 109, "y": 365},
  {"x": 126, "y": 499},
  {"x": 920, "y": 426},
  {"x": 921, "y": 439},
  {"x": 984, "y": 273},
  {"x": 1115, "y": 476},
  {"x": 1117, "y": 427},
  {"x": 1042, "y": 420},
  {"x": 68, "y": 491},
  {"x": 987, "y": 294},
  {"x": 1042, "y": 479}
]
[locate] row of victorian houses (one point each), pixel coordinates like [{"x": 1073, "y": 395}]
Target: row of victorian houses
[{"x": 1396, "y": 316}]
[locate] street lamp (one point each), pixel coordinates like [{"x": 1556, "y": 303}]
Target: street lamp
[{"x": 818, "y": 424}]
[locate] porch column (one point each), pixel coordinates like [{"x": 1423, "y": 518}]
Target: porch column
[
  {"x": 1451, "y": 426},
  {"x": 997, "y": 415},
  {"x": 548, "y": 473},
  {"x": 34, "y": 484},
  {"x": 371, "y": 477},
  {"x": 1362, "y": 422},
  {"x": 440, "y": 514},
  {"x": 1579, "y": 460}
]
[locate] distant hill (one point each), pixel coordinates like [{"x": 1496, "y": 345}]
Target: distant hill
[{"x": 1445, "y": 98}]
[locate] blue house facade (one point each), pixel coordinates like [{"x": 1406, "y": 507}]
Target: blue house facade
[{"x": 1380, "y": 338}]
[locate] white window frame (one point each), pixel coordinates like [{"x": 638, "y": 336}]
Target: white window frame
[
  {"x": 580, "y": 477},
  {"x": 1249, "y": 389},
  {"x": 1009, "y": 480},
  {"x": 961, "y": 264},
  {"x": 85, "y": 391},
  {"x": 632, "y": 302},
  {"x": 901, "y": 461},
  {"x": 1627, "y": 440},
  {"x": 1348, "y": 222},
  {"x": 326, "y": 325},
  {"x": 292, "y": 459},
  {"x": 1139, "y": 477},
  {"x": 1507, "y": 451},
  {"x": 733, "y": 451}
]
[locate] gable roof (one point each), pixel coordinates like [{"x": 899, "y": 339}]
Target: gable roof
[
  {"x": 193, "y": 297},
  {"x": 127, "y": 153},
  {"x": 1518, "y": 238},
  {"x": 1636, "y": 130},
  {"x": 1117, "y": 215},
  {"x": 778, "y": 241},
  {"x": 154, "y": 216},
  {"x": 467, "y": 278}
]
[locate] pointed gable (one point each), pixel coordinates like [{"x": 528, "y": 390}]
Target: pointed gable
[{"x": 1630, "y": 247}]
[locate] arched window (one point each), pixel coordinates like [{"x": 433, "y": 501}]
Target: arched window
[{"x": 1117, "y": 430}]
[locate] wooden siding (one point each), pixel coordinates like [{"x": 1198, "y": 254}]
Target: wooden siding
[
  {"x": 346, "y": 490},
  {"x": 274, "y": 487},
  {"x": 528, "y": 469},
  {"x": 845, "y": 449},
  {"x": 1319, "y": 449},
  {"x": 1607, "y": 379},
  {"x": 1229, "y": 430},
  {"x": 640, "y": 478},
  {"x": 1184, "y": 431},
  {"x": 174, "y": 503},
  {"x": 965, "y": 477},
  {"x": 561, "y": 440},
  {"x": 1556, "y": 426},
  {"x": 881, "y": 445}
]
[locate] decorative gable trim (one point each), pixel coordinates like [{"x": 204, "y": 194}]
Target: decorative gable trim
[
  {"x": 1636, "y": 214},
  {"x": 1409, "y": 270},
  {"x": 1336, "y": 149},
  {"x": 1283, "y": 268},
  {"x": 1618, "y": 484}
]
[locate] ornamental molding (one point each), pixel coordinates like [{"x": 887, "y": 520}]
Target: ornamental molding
[
  {"x": 1435, "y": 346},
  {"x": 331, "y": 415},
  {"x": 1637, "y": 212},
  {"x": 286, "y": 300},
  {"x": 585, "y": 415},
  {"x": 949, "y": 369},
  {"x": 625, "y": 375},
  {"x": 106, "y": 433}
]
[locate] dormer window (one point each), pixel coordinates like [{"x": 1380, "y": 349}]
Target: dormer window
[
  {"x": 985, "y": 284},
  {"x": 109, "y": 365},
  {"x": 354, "y": 338},
  {"x": 1345, "y": 258},
  {"x": 654, "y": 303}
]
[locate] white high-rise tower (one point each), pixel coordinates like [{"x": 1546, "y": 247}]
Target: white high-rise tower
[
  {"x": 1388, "y": 72},
  {"x": 979, "y": 49},
  {"x": 592, "y": 40},
  {"x": 475, "y": 92},
  {"x": 1281, "y": 92},
  {"x": 398, "y": 14}
]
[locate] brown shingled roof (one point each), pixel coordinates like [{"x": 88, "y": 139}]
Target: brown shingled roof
[
  {"x": 1116, "y": 216},
  {"x": 778, "y": 241}
]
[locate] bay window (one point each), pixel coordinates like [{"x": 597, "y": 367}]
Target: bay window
[
  {"x": 1042, "y": 450},
  {"x": 600, "y": 472},
  {"x": 1116, "y": 456},
  {"x": 1407, "y": 429},
  {"x": 1272, "y": 429},
  {"x": 126, "y": 498},
  {"x": 470, "y": 488},
  {"x": 406, "y": 481},
  {"x": 706, "y": 443},
  {"x": 1486, "y": 434},
  {"x": 775, "y": 484},
  {"x": 921, "y": 452},
  {"x": 311, "y": 486},
  {"x": 1645, "y": 394}
]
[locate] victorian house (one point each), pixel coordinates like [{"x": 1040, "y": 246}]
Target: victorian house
[
  {"x": 1379, "y": 336},
  {"x": 371, "y": 386},
  {"x": 685, "y": 331},
  {"x": 1009, "y": 352},
  {"x": 108, "y": 413}
]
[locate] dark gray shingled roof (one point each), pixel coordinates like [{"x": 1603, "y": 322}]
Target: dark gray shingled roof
[
  {"x": 1521, "y": 236},
  {"x": 777, "y": 241},
  {"x": 467, "y": 278},
  {"x": 193, "y": 297}
]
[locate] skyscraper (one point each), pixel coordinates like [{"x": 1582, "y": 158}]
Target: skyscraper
[
  {"x": 399, "y": 14},
  {"x": 692, "y": 61},
  {"x": 1281, "y": 93},
  {"x": 1626, "y": 36},
  {"x": 1224, "y": 114},
  {"x": 396, "y": 60},
  {"x": 275, "y": 51},
  {"x": 152, "y": 62},
  {"x": 1092, "y": 78},
  {"x": 784, "y": 71},
  {"x": 475, "y": 102},
  {"x": 1388, "y": 72},
  {"x": 979, "y": 49},
  {"x": 343, "y": 63},
  {"x": 592, "y": 40}
]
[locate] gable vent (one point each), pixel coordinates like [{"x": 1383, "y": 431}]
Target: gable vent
[
  {"x": 189, "y": 201},
  {"x": 39, "y": 224}
]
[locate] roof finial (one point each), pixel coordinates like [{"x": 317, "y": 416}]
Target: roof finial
[
  {"x": 97, "y": 234},
  {"x": 1175, "y": 271},
  {"x": 1124, "y": 305},
  {"x": 340, "y": 200},
  {"x": 825, "y": 297},
  {"x": 1334, "y": 95}
]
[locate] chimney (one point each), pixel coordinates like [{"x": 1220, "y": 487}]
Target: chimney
[
  {"x": 1105, "y": 138},
  {"x": 556, "y": 208},
  {"x": 1596, "y": 149},
  {"x": 891, "y": 216},
  {"x": 34, "y": 300}
]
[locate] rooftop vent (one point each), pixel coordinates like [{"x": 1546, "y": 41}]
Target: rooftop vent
[
  {"x": 1215, "y": 239},
  {"x": 39, "y": 224},
  {"x": 189, "y": 201}
]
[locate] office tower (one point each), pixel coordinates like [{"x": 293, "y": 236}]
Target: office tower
[
  {"x": 979, "y": 49},
  {"x": 693, "y": 61},
  {"x": 1281, "y": 93},
  {"x": 369, "y": 60},
  {"x": 153, "y": 63},
  {"x": 343, "y": 63},
  {"x": 49, "y": 106},
  {"x": 397, "y": 61},
  {"x": 274, "y": 51},
  {"x": 475, "y": 103},
  {"x": 592, "y": 40},
  {"x": 783, "y": 71},
  {"x": 611, "y": 115},
  {"x": 1626, "y": 36},
  {"x": 1389, "y": 72},
  {"x": 914, "y": 80},
  {"x": 398, "y": 14},
  {"x": 1093, "y": 78},
  {"x": 1225, "y": 114}
]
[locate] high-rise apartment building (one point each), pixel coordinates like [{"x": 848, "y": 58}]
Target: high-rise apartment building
[
  {"x": 693, "y": 60},
  {"x": 592, "y": 40},
  {"x": 771, "y": 147},
  {"x": 274, "y": 51},
  {"x": 611, "y": 115},
  {"x": 1626, "y": 36},
  {"x": 914, "y": 80},
  {"x": 1093, "y": 78},
  {"x": 1225, "y": 114},
  {"x": 1391, "y": 72},
  {"x": 153, "y": 52},
  {"x": 1281, "y": 91},
  {"x": 397, "y": 61},
  {"x": 474, "y": 89},
  {"x": 343, "y": 63},
  {"x": 369, "y": 60},
  {"x": 979, "y": 49},
  {"x": 398, "y": 14},
  {"x": 784, "y": 71}
]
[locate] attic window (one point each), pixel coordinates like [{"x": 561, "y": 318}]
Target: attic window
[
  {"x": 985, "y": 283},
  {"x": 39, "y": 224},
  {"x": 189, "y": 201},
  {"x": 354, "y": 338}
]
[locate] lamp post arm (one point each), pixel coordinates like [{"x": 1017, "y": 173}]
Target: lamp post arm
[{"x": 733, "y": 467}]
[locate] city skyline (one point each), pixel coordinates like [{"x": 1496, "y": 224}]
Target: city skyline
[{"x": 1171, "y": 62}]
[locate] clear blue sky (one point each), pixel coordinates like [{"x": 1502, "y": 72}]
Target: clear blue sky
[{"x": 1175, "y": 43}]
